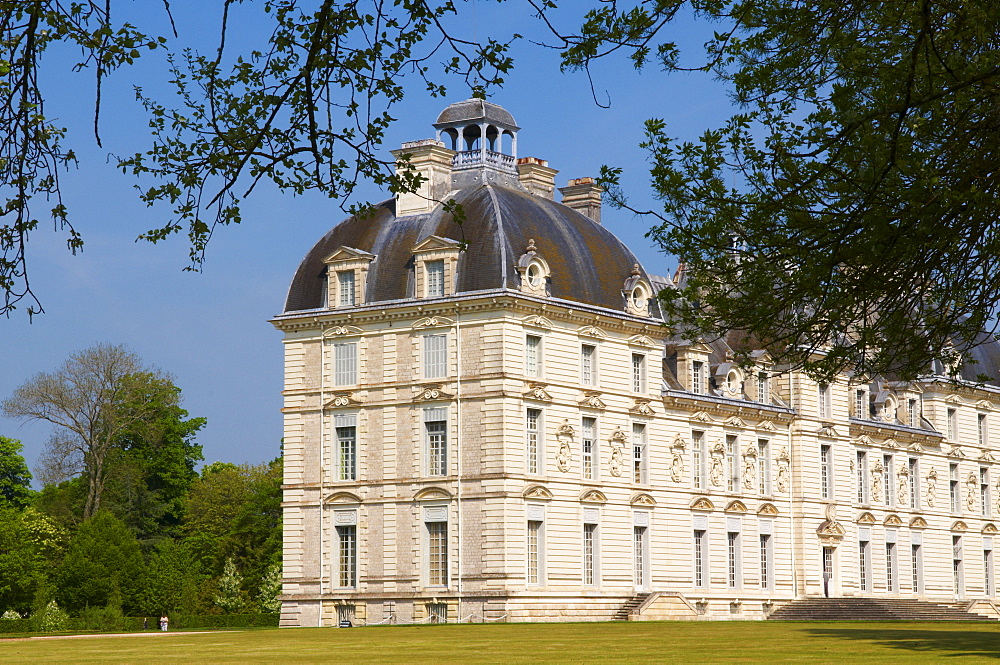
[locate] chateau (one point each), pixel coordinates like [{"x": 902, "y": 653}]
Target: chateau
[{"x": 490, "y": 420}]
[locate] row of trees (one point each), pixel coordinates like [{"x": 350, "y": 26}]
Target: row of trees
[{"x": 123, "y": 521}]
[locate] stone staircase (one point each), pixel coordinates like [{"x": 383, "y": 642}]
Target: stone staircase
[
  {"x": 872, "y": 609},
  {"x": 625, "y": 610}
]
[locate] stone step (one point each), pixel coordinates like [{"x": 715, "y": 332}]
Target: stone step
[{"x": 872, "y": 609}]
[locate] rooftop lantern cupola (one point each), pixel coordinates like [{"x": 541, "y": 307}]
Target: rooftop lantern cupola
[{"x": 482, "y": 134}]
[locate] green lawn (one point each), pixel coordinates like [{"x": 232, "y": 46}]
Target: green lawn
[{"x": 637, "y": 642}]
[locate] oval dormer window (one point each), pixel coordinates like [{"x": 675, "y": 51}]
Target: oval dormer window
[
  {"x": 732, "y": 382},
  {"x": 535, "y": 275},
  {"x": 639, "y": 297}
]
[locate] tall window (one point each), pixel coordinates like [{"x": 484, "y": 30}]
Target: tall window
[
  {"x": 589, "y": 443},
  {"x": 912, "y": 413},
  {"x": 638, "y": 373},
  {"x": 766, "y": 562},
  {"x": 348, "y": 556},
  {"x": 732, "y": 463},
  {"x": 699, "y": 465},
  {"x": 640, "y": 554},
  {"x": 863, "y": 564},
  {"x": 437, "y": 559},
  {"x": 825, "y": 470},
  {"x": 697, "y": 377},
  {"x": 532, "y": 355},
  {"x": 534, "y": 551},
  {"x": 347, "y": 446},
  {"x": 824, "y": 401},
  {"x": 956, "y": 564},
  {"x": 860, "y": 405},
  {"x": 890, "y": 568},
  {"x": 764, "y": 460},
  {"x": 732, "y": 558},
  {"x": 762, "y": 391},
  {"x": 700, "y": 557},
  {"x": 953, "y": 488},
  {"x": 587, "y": 369},
  {"x": 862, "y": 477},
  {"x": 435, "y": 356},
  {"x": 917, "y": 568},
  {"x": 984, "y": 435},
  {"x": 914, "y": 483},
  {"x": 989, "y": 586},
  {"x": 345, "y": 283},
  {"x": 640, "y": 471},
  {"x": 952, "y": 424},
  {"x": 984, "y": 491},
  {"x": 887, "y": 478},
  {"x": 435, "y": 278},
  {"x": 533, "y": 453},
  {"x": 345, "y": 364},
  {"x": 436, "y": 428},
  {"x": 589, "y": 554}
]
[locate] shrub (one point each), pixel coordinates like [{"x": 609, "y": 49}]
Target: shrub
[
  {"x": 50, "y": 619},
  {"x": 16, "y": 626}
]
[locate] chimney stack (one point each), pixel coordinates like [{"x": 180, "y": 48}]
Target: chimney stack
[
  {"x": 432, "y": 160},
  {"x": 537, "y": 177},
  {"x": 584, "y": 196}
]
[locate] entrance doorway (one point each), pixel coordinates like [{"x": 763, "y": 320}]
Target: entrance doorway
[{"x": 827, "y": 570}]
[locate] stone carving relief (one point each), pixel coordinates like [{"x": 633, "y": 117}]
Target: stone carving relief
[
  {"x": 783, "y": 461},
  {"x": 564, "y": 435},
  {"x": 750, "y": 468},
  {"x": 717, "y": 471},
  {"x": 903, "y": 486},
  {"x": 971, "y": 489},
  {"x": 617, "y": 440},
  {"x": 931, "y": 487},
  {"x": 592, "y": 400},
  {"x": 563, "y": 456},
  {"x": 431, "y": 392},
  {"x": 987, "y": 456},
  {"x": 876, "y": 482},
  {"x": 677, "y": 458},
  {"x": 537, "y": 391},
  {"x": 341, "y": 400},
  {"x": 642, "y": 408}
]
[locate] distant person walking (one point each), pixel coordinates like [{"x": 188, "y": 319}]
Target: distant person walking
[{"x": 164, "y": 622}]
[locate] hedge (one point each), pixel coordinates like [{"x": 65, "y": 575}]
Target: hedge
[{"x": 135, "y": 624}]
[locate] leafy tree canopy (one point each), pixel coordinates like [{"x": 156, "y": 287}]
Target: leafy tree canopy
[
  {"x": 15, "y": 478},
  {"x": 846, "y": 216}
]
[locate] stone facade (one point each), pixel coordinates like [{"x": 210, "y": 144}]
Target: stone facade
[{"x": 511, "y": 453}]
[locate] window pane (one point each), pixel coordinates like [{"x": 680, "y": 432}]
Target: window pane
[
  {"x": 348, "y": 453},
  {"x": 345, "y": 280},
  {"x": 437, "y": 538},
  {"x": 348, "y": 555},
  {"x": 435, "y": 278},
  {"x": 435, "y": 356},
  {"x": 533, "y": 452},
  {"x": 437, "y": 448},
  {"x": 532, "y": 348},
  {"x": 345, "y": 364}
]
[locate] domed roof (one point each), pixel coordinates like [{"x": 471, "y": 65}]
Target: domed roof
[
  {"x": 475, "y": 109},
  {"x": 588, "y": 263}
]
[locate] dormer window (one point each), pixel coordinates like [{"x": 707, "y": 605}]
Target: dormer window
[
  {"x": 435, "y": 267},
  {"x": 697, "y": 377},
  {"x": 763, "y": 392},
  {"x": 346, "y": 295},
  {"x": 533, "y": 270},
  {"x": 347, "y": 269},
  {"x": 637, "y": 292},
  {"x": 435, "y": 278}
]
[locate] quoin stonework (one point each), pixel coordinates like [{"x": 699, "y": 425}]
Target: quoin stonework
[{"x": 491, "y": 421}]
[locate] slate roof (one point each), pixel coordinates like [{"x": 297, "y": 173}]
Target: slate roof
[
  {"x": 476, "y": 109},
  {"x": 588, "y": 263}
]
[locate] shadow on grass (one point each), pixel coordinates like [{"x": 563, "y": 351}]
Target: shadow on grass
[{"x": 942, "y": 643}]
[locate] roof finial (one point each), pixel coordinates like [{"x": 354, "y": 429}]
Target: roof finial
[
  {"x": 635, "y": 269},
  {"x": 531, "y": 245}
]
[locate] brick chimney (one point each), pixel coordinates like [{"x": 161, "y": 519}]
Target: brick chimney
[
  {"x": 584, "y": 196},
  {"x": 537, "y": 177},
  {"x": 433, "y": 161}
]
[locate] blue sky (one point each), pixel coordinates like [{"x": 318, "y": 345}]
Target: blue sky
[{"x": 210, "y": 329}]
